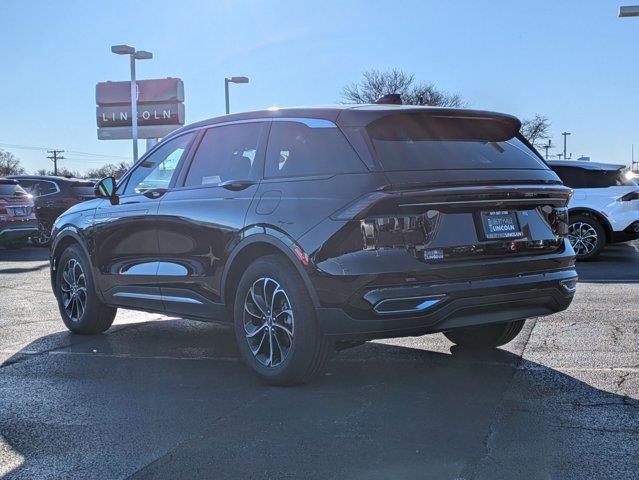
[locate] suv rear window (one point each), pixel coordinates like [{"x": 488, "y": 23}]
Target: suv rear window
[
  {"x": 575, "y": 177},
  {"x": 416, "y": 141}
]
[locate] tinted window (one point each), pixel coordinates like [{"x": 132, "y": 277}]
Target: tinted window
[
  {"x": 83, "y": 189},
  {"x": 421, "y": 142},
  {"x": 157, "y": 169},
  {"x": 575, "y": 177},
  {"x": 37, "y": 188},
  {"x": 226, "y": 153},
  {"x": 295, "y": 149}
]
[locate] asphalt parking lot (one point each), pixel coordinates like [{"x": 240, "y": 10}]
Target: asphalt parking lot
[{"x": 160, "y": 397}]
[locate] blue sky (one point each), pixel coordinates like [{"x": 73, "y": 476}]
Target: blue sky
[{"x": 574, "y": 61}]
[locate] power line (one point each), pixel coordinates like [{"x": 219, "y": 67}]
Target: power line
[
  {"x": 74, "y": 152},
  {"x": 54, "y": 157}
]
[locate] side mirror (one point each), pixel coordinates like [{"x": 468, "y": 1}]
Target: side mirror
[{"x": 105, "y": 188}]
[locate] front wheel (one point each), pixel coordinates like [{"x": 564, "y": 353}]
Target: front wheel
[
  {"x": 485, "y": 336},
  {"x": 275, "y": 325},
  {"x": 80, "y": 308}
]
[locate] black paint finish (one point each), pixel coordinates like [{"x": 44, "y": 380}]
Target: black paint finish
[{"x": 397, "y": 234}]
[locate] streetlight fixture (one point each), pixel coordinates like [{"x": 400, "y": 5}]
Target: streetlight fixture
[
  {"x": 133, "y": 55},
  {"x": 629, "y": 11},
  {"x": 226, "y": 88},
  {"x": 565, "y": 134}
]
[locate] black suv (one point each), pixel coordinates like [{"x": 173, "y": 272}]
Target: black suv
[
  {"x": 319, "y": 228},
  {"x": 53, "y": 195}
]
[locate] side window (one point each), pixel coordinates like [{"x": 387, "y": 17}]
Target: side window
[
  {"x": 28, "y": 186},
  {"x": 44, "y": 188},
  {"x": 295, "y": 149},
  {"x": 226, "y": 153},
  {"x": 157, "y": 170}
]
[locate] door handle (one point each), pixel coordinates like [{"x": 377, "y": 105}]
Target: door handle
[
  {"x": 156, "y": 193},
  {"x": 237, "y": 185}
]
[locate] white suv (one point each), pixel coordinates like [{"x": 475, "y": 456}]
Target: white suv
[{"x": 604, "y": 207}]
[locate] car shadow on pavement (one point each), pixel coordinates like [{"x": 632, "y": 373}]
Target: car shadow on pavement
[
  {"x": 28, "y": 254},
  {"x": 171, "y": 399}
]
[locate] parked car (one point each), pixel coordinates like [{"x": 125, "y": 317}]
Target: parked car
[
  {"x": 318, "y": 228},
  {"x": 604, "y": 207},
  {"x": 17, "y": 217},
  {"x": 53, "y": 195}
]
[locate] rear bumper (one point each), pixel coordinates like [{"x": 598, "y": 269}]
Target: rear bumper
[
  {"x": 8, "y": 234},
  {"x": 460, "y": 304},
  {"x": 631, "y": 232}
]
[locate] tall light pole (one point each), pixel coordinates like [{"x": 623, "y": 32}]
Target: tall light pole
[
  {"x": 133, "y": 55},
  {"x": 226, "y": 88},
  {"x": 630, "y": 11},
  {"x": 565, "y": 134}
]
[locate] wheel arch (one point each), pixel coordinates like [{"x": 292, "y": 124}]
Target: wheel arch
[
  {"x": 63, "y": 239},
  {"x": 597, "y": 215},
  {"x": 247, "y": 251}
]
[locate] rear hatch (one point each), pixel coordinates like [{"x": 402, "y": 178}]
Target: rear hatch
[{"x": 461, "y": 186}]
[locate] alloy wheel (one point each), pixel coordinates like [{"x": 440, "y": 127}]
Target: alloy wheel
[
  {"x": 268, "y": 322},
  {"x": 74, "y": 290},
  {"x": 583, "y": 238}
]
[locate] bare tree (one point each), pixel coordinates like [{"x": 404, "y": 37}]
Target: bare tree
[
  {"x": 536, "y": 130},
  {"x": 376, "y": 84},
  {"x": 62, "y": 172},
  {"x": 108, "y": 170},
  {"x": 9, "y": 164}
]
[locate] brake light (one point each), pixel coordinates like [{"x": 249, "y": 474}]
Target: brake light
[{"x": 629, "y": 196}]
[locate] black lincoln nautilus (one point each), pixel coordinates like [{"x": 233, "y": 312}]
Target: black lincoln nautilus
[{"x": 312, "y": 229}]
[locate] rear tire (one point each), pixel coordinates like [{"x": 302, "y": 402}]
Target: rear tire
[
  {"x": 80, "y": 308},
  {"x": 587, "y": 236},
  {"x": 275, "y": 325},
  {"x": 487, "y": 336}
]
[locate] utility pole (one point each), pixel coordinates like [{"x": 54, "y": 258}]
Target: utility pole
[
  {"x": 54, "y": 157},
  {"x": 547, "y": 147},
  {"x": 565, "y": 134}
]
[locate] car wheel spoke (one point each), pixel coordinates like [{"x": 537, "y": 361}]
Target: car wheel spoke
[{"x": 268, "y": 313}]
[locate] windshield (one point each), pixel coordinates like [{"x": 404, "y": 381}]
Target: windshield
[{"x": 418, "y": 142}]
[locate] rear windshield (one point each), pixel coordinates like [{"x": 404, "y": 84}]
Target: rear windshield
[
  {"x": 420, "y": 142},
  {"x": 11, "y": 189},
  {"x": 575, "y": 177}
]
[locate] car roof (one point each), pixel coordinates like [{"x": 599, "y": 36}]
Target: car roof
[
  {"x": 350, "y": 115},
  {"x": 586, "y": 165},
  {"x": 47, "y": 177}
]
